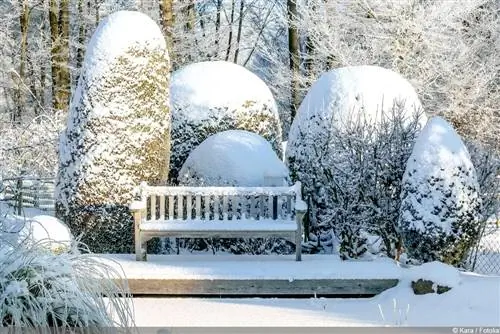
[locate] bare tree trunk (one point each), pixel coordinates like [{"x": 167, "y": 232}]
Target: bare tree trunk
[
  {"x": 59, "y": 32},
  {"x": 240, "y": 26},
  {"x": 97, "y": 16},
  {"x": 191, "y": 16},
  {"x": 64, "y": 75},
  {"x": 24, "y": 23},
  {"x": 23, "y": 62},
  {"x": 32, "y": 85},
  {"x": 308, "y": 62},
  {"x": 230, "y": 39},
  {"x": 43, "y": 86},
  {"x": 54, "y": 51},
  {"x": 82, "y": 32},
  {"x": 217, "y": 27},
  {"x": 167, "y": 24},
  {"x": 293, "y": 48}
]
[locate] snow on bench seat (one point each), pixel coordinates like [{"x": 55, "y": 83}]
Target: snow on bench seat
[{"x": 264, "y": 225}]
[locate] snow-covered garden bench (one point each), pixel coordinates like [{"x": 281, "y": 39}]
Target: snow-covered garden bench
[{"x": 221, "y": 212}]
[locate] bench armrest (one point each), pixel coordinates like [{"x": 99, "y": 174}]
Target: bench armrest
[
  {"x": 137, "y": 206},
  {"x": 300, "y": 206}
]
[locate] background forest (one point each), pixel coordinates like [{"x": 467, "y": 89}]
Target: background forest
[{"x": 447, "y": 49}]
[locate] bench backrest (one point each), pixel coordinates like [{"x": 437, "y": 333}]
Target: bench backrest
[{"x": 219, "y": 203}]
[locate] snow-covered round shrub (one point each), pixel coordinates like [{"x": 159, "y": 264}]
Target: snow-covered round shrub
[
  {"x": 118, "y": 131},
  {"x": 236, "y": 158},
  {"x": 233, "y": 158},
  {"x": 348, "y": 145},
  {"x": 440, "y": 207},
  {"x": 211, "y": 97}
]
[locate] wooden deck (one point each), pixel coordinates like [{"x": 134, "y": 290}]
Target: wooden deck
[{"x": 232, "y": 275}]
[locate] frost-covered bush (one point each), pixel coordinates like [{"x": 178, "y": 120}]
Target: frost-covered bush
[
  {"x": 236, "y": 158},
  {"x": 39, "y": 289},
  {"x": 30, "y": 146},
  {"x": 440, "y": 207},
  {"x": 233, "y": 158},
  {"x": 487, "y": 165},
  {"x": 348, "y": 145},
  {"x": 117, "y": 132},
  {"x": 211, "y": 97}
]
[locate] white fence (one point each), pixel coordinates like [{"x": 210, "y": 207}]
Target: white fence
[{"x": 29, "y": 192}]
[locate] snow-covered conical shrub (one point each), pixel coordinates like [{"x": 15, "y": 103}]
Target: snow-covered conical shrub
[
  {"x": 439, "y": 219},
  {"x": 348, "y": 145},
  {"x": 233, "y": 158},
  {"x": 211, "y": 97},
  {"x": 118, "y": 130}
]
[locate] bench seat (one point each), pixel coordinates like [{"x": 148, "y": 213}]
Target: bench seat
[
  {"x": 203, "y": 212},
  {"x": 219, "y": 226}
]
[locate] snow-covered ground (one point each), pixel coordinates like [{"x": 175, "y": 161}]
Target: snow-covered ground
[{"x": 474, "y": 302}]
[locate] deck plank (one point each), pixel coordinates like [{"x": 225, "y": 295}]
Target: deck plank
[
  {"x": 260, "y": 287},
  {"x": 249, "y": 275}
]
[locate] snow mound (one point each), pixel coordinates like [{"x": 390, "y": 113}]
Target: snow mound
[
  {"x": 440, "y": 196},
  {"x": 437, "y": 272},
  {"x": 49, "y": 230},
  {"x": 211, "y": 97},
  {"x": 115, "y": 34},
  {"x": 45, "y": 230},
  {"x": 234, "y": 157}
]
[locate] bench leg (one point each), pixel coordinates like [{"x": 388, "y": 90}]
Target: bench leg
[
  {"x": 298, "y": 247},
  {"x": 298, "y": 237},
  {"x": 140, "y": 245},
  {"x": 140, "y": 249},
  {"x": 144, "y": 253}
]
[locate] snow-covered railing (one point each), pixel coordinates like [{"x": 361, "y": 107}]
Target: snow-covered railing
[
  {"x": 223, "y": 212},
  {"x": 29, "y": 192}
]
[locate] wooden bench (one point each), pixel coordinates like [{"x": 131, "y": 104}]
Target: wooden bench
[{"x": 220, "y": 212}]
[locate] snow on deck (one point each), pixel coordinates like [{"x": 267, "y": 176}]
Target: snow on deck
[{"x": 244, "y": 267}]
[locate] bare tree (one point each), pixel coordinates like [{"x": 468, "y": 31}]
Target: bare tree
[{"x": 293, "y": 48}]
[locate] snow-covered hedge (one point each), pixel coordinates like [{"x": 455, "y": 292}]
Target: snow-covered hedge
[
  {"x": 211, "y": 97},
  {"x": 233, "y": 158},
  {"x": 440, "y": 206},
  {"x": 348, "y": 145},
  {"x": 117, "y": 132}
]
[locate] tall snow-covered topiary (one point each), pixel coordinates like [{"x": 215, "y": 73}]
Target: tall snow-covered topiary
[
  {"x": 440, "y": 206},
  {"x": 118, "y": 130},
  {"x": 211, "y": 97},
  {"x": 348, "y": 145}
]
